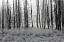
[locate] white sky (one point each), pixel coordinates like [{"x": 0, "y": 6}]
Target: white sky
[{"x": 0, "y": 2}]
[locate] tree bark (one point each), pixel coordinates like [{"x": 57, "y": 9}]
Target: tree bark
[{"x": 26, "y": 14}]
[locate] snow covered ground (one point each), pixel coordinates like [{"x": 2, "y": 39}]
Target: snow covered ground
[{"x": 31, "y": 35}]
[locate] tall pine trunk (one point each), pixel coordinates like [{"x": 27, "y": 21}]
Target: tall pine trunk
[
  {"x": 18, "y": 13},
  {"x": 37, "y": 13},
  {"x": 51, "y": 16},
  {"x": 2, "y": 16},
  {"x": 25, "y": 14},
  {"x": 8, "y": 15},
  {"x": 14, "y": 13},
  {"x": 59, "y": 15},
  {"x": 31, "y": 13}
]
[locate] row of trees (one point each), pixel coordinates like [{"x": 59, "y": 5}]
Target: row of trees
[
  {"x": 58, "y": 13},
  {"x": 49, "y": 14}
]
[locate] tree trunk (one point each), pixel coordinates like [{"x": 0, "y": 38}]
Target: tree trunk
[
  {"x": 14, "y": 13},
  {"x": 3, "y": 16},
  {"x": 26, "y": 14}
]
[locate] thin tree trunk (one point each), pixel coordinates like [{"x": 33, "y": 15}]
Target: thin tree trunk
[
  {"x": 31, "y": 14},
  {"x": 2, "y": 16},
  {"x": 10, "y": 18},
  {"x": 17, "y": 13},
  {"x": 51, "y": 15},
  {"x": 18, "y": 20},
  {"x": 48, "y": 17},
  {"x": 43, "y": 14},
  {"x": 59, "y": 15},
  {"x": 26, "y": 14},
  {"x": 8, "y": 15},
  {"x": 14, "y": 13},
  {"x": 56, "y": 13},
  {"x": 37, "y": 13}
]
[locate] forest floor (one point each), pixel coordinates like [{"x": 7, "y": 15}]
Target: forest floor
[{"x": 31, "y": 35}]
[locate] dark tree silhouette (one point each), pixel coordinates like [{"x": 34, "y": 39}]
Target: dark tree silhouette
[
  {"x": 45, "y": 19},
  {"x": 14, "y": 13},
  {"x": 3, "y": 16},
  {"x": 51, "y": 15},
  {"x": 31, "y": 13},
  {"x": 59, "y": 14},
  {"x": 19, "y": 14},
  {"x": 8, "y": 15},
  {"x": 37, "y": 18},
  {"x": 42, "y": 13},
  {"x": 26, "y": 14},
  {"x": 47, "y": 15}
]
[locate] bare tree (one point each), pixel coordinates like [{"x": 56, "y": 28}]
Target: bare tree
[
  {"x": 31, "y": 13},
  {"x": 38, "y": 14},
  {"x": 51, "y": 16},
  {"x": 8, "y": 15},
  {"x": 45, "y": 14},
  {"x": 3, "y": 16},
  {"x": 14, "y": 12},
  {"x": 59, "y": 15},
  {"x": 19, "y": 14},
  {"x": 26, "y": 14},
  {"x": 55, "y": 9},
  {"x": 48, "y": 17},
  {"x": 42, "y": 14}
]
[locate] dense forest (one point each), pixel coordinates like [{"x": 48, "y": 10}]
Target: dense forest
[{"x": 45, "y": 14}]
